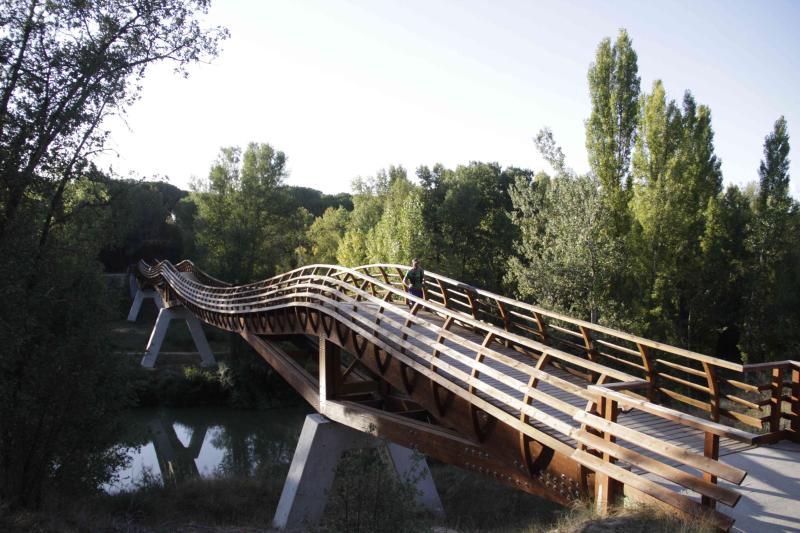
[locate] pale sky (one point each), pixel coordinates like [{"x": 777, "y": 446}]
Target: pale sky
[{"x": 346, "y": 88}]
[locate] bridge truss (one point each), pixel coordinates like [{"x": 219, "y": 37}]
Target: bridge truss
[{"x": 552, "y": 405}]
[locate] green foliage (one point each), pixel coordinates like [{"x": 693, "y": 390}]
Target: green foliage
[
  {"x": 398, "y": 235},
  {"x": 565, "y": 259},
  {"x": 67, "y": 86},
  {"x": 367, "y": 497},
  {"x": 144, "y": 219},
  {"x": 246, "y": 225},
  {"x": 611, "y": 128},
  {"x": 677, "y": 176},
  {"x": 325, "y": 235},
  {"x": 368, "y": 200},
  {"x": 67, "y": 66},
  {"x": 464, "y": 214},
  {"x": 773, "y": 301},
  {"x": 317, "y": 202},
  {"x": 60, "y": 393}
]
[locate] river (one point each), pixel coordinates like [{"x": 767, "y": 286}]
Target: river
[{"x": 171, "y": 445}]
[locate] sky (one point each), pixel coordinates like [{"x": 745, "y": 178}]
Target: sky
[{"x": 346, "y": 87}]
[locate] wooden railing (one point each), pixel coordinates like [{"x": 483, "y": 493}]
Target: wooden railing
[
  {"x": 760, "y": 396},
  {"x": 359, "y": 299}
]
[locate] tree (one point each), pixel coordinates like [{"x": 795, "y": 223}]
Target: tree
[
  {"x": 399, "y": 234},
  {"x": 724, "y": 276},
  {"x": 325, "y": 235},
  {"x": 65, "y": 67},
  {"x": 368, "y": 202},
  {"x": 564, "y": 258},
  {"x": 677, "y": 175},
  {"x": 772, "y": 304},
  {"x": 611, "y": 128},
  {"x": 246, "y": 224},
  {"x": 477, "y": 233}
]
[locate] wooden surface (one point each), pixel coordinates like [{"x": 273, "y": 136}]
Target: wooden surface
[{"x": 509, "y": 371}]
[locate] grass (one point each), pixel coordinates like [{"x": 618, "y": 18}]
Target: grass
[
  {"x": 365, "y": 497},
  {"x": 581, "y": 518}
]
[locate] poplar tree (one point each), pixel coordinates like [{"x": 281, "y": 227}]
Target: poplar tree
[
  {"x": 772, "y": 316},
  {"x": 677, "y": 175},
  {"x": 611, "y": 128}
]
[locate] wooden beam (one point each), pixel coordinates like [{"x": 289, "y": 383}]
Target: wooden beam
[
  {"x": 794, "y": 423},
  {"x": 670, "y": 473},
  {"x": 710, "y": 450},
  {"x": 665, "y": 449},
  {"x": 330, "y": 370},
  {"x": 776, "y": 403},
  {"x": 675, "y": 416},
  {"x": 652, "y": 489}
]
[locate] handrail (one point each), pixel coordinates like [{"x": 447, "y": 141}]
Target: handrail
[
  {"x": 709, "y": 385},
  {"x": 578, "y": 322}
]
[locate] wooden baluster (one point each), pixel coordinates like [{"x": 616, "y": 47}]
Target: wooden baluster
[
  {"x": 606, "y": 489},
  {"x": 713, "y": 389},
  {"x": 710, "y": 450},
  {"x": 647, "y": 362},
  {"x": 542, "y": 327},
  {"x": 385, "y": 277},
  {"x": 506, "y": 320},
  {"x": 591, "y": 351},
  {"x": 473, "y": 305},
  {"x": 445, "y": 301},
  {"x": 794, "y": 424},
  {"x": 776, "y": 400}
]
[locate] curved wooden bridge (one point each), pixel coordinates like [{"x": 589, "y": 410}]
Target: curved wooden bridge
[{"x": 552, "y": 405}]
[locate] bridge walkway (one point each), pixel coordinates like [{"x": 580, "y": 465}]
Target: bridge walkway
[
  {"x": 654, "y": 426},
  {"x": 534, "y": 393}
]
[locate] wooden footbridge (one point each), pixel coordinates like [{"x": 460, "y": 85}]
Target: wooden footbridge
[{"x": 552, "y": 405}]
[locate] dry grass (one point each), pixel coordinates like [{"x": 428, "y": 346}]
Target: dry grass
[{"x": 581, "y": 518}]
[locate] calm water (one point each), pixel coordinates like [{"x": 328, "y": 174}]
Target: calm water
[{"x": 173, "y": 445}]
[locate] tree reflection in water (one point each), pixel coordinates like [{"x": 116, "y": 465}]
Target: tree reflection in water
[{"x": 223, "y": 442}]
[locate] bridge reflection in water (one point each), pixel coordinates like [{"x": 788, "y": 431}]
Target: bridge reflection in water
[
  {"x": 179, "y": 444},
  {"x": 552, "y": 405}
]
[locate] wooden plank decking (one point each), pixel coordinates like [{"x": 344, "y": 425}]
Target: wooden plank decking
[{"x": 660, "y": 428}]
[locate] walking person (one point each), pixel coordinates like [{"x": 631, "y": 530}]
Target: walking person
[{"x": 415, "y": 279}]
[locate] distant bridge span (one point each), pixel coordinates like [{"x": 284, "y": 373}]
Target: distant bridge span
[{"x": 554, "y": 406}]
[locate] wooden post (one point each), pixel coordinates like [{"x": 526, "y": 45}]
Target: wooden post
[
  {"x": 606, "y": 488},
  {"x": 330, "y": 370},
  {"x": 710, "y": 450},
  {"x": 794, "y": 424},
  {"x": 591, "y": 351},
  {"x": 713, "y": 390},
  {"x": 542, "y": 327},
  {"x": 647, "y": 362},
  {"x": 776, "y": 400}
]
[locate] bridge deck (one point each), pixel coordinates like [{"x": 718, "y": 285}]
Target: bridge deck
[
  {"x": 652, "y": 425},
  {"x": 503, "y": 358}
]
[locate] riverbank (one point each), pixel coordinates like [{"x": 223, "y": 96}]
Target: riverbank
[
  {"x": 237, "y": 504},
  {"x": 242, "y": 494}
]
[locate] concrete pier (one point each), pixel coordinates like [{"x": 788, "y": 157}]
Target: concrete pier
[
  {"x": 165, "y": 316},
  {"x": 139, "y": 296},
  {"x": 322, "y": 443}
]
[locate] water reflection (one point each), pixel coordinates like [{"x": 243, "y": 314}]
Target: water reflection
[
  {"x": 176, "y": 461},
  {"x": 174, "y": 445}
]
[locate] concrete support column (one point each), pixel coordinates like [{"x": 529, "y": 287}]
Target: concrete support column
[
  {"x": 139, "y": 296},
  {"x": 165, "y": 316},
  {"x": 321, "y": 445}
]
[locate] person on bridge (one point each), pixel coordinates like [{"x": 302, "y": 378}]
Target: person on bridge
[{"x": 414, "y": 279}]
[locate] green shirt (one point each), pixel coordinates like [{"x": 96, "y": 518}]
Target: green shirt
[{"x": 415, "y": 276}]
